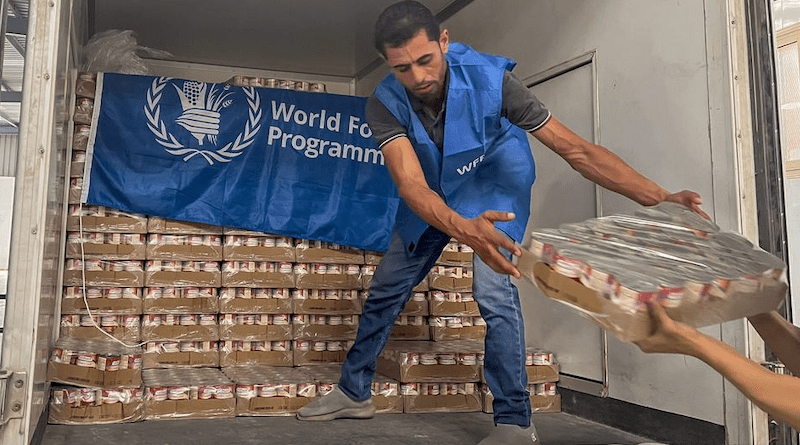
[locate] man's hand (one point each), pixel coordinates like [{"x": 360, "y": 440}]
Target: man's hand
[
  {"x": 484, "y": 238},
  {"x": 689, "y": 199},
  {"x": 668, "y": 336}
]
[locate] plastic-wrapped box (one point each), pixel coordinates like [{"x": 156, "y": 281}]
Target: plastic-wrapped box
[
  {"x": 166, "y": 273},
  {"x": 544, "y": 398},
  {"x": 199, "y": 247},
  {"x": 71, "y": 405},
  {"x": 271, "y": 391},
  {"x": 607, "y": 268},
  {"x": 258, "y": 274},
  {"x": 414, "y": 361},
  {"x": 325, "y": 327},
  {"x": 102, "y": 300},
  {"x": 103, "y": 273},
  {"x": 322, "y": 252},
  {"x": 162, "y": 225},
  {"x": 456, "y": 254},
  {"x": 411, "y": 327},
  {"x": 319, "y": 351},
  {"x": 105, "y": 246},
  {"x": 258, "y": 247},
  {"x": 450, "y": 278},
  {"x": 95, "y": 363},
  {"x": 385, "y": 391},
  {"x": 188, "y": 393},
  {"x": 453, "y": 303},
  {"x": 254, "y": 327},
  {"x": 126, "y": 328},
  {"x": 326, "y": 301},
  {"x": 440, "y": 397},
  {"x": 104, "y": 219},
  {"x": 261, "y": 300},
  {"x": 180, "y": 327},
  {"x": 172, "y": 354},
  {"x": 257, "y": 352},
  {"x": 181, "y": 300},
  {"x": 448, "y": 328},
  {"x": 326, "y": 276}
]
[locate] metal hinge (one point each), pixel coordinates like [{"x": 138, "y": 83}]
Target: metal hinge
[{"x": 13, "y": 391}]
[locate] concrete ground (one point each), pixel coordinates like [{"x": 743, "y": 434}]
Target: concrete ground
[{"x": 383, "y": 429}]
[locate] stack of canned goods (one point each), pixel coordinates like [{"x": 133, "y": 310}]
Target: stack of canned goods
[
  {"x": 258, "y": 241},
  {"x": 166, "y": 239},
  {"x": 103, "y": 292},
  {"x": 229, "y": 346},
  {"x": 229, "y": 293},
  {"x": 538, "y": 357},
  {"x": 435, "y": 389},
  {"x": 180, "y": 292},
  {"x": 165, "y": 347},
  {"x": 83, "y": 397},
  {"x": 187, "y": 384},
  {"x": 108, "y": 323},
  {"x": 182, "y": 266},
  {"x": 284, "y": 84},
  {"x": 98, "y": 354},
  {"x": 665, "y": 253},
  {"x": 97, "y": 265},
  {"x": 262, "y": 381},
  {"x": 254, "y": 319},
  {"x": 325, "y": 294}
]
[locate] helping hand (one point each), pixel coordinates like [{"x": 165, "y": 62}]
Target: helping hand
[
  {"x": 668, "y": 336},
  {"x": 689, "y": 199},
  {"x": 486, "y": 240}
]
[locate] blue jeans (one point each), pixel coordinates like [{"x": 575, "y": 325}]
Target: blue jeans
[{"x": 398, "y": 273}]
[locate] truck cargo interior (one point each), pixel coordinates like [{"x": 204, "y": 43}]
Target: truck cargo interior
[{"x": 687, "y": 93}]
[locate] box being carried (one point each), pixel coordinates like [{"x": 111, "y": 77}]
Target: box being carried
[{"x": 607, "y": 268}]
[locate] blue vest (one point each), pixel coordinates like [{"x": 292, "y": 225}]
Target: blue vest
[{"x": 487, "y": 162}]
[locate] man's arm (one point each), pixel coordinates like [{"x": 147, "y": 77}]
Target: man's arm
[
  {"x": 478, "y": 233},
  {"x": 606, "y": 169},
  {"x": 782, "y": 337},
  {"x": 773, "y": 393}
]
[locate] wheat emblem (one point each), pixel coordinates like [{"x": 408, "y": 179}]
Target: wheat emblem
[{"x": 201, "y": 118}]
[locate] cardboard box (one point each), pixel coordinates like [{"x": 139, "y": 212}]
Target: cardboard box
[
  {"x": 129, "y": 335},
  {"x": 324, "y": 332},
  {"x": 453, "y": 309},
  {"x": 258, "y": 253},
  {"x": 126, "y": 306},
  {"x": 162, "y": 278},
  {"x": 317, "y": 357},
  {"x": 543, "y": 373},
  {"x": 190, "y": 409},
  {"x": 151, "y": 360},
  {"x": 104, "y": 278},
  {"x": 166, "y": 305},
  {"x": 318, "y": 255},
  {"x": 427, "y": 373},
  {"x": 161, "y": 225},
  {"x": 450, "y": 284},
  {"x": 416, "y": 308},
  {"x": 130, "y": 223},
  {"x": 105, "y": 251},
  {"x": 629, "y": 326},
  {"x": 76, "y": 169},
  {"x": 443, "y": 333},
  {"x": 328, "y": 281},
  {"x": 180, "y": 333},
  {"x": 271, "y": 406},
  {"x": 459, "y": 403},
  {"x": 92, "y": 377},
  {"x": 255, "y": 332},
  {"x": 326, "y": 307},
  {"x": 74, "y": 196},
  {"x": 258, "y": 279},
  {"x": 407, "y": 332},
  {"x": 448, "y": 258},
  {"x": 61, "y": 414},
  {"x": 183, "y": 252},
  {"x": 539, "y": 404},
  {"x": 372, "y": 258},
  {"x": 256, "y": 306},
  {"x": 267, "y": 358}
]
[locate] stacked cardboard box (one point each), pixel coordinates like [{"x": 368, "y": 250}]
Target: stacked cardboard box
[
  {"x": 453, "y": 312},
  {"x": 188, "y": 393},
  {"x": 385, "y": 390},
  {"x": 104, "y": 378},
  {"x": 270, "y": 390},
  {"x": 543, "y": 375}
]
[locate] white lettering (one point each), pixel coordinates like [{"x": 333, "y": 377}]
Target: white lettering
[
  {"x": 300, "y": 117},
  {"x": 274, "y": 133},
  {"x": 466, "y": 169},
  {"x": 281, "y": 110},
  {"x": 334, "y": 121}
]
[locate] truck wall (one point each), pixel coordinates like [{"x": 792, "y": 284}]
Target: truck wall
[{"x": 657, "y": 109}]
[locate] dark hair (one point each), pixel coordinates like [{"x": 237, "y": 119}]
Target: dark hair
[{"x": 401, "y": 21}]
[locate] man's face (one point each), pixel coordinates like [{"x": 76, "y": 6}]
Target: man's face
[{"x": 420, "y": 66}]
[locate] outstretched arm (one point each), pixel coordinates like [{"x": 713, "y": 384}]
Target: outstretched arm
[
  {"x": 606, "y": 169},
  {"x": 782, "y": 337},
  {"x": 478, "y": 233},
  {"x": 776, "y": 394}
]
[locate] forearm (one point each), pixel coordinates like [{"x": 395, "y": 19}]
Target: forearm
[
  {"x": 773, "y": 393},
  {"x": 432, "y": 209},
  {"x": 782, "y": 337}
]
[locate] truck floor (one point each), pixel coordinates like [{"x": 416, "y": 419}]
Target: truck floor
[{"x": 384, "y": 429}]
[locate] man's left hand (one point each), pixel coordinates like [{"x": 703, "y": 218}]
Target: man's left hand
[{"x": 689, "y": 199}]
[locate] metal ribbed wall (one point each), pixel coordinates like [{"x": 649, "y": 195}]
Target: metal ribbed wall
[{"x": 8, "y": 154}]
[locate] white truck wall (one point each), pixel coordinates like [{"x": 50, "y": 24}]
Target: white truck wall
[{"x": 664, "y": 107}]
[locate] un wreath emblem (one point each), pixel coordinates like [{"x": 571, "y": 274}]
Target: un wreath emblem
[{"x": 201, "y": 105}]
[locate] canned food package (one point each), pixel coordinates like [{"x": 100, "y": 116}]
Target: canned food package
[
  {"x": 99, "y": 363},
  {"x": 665, "y": 254},
  {"x": 196, "y": 393},
  {"x": 539, "y": 403},
  {"x": 118, "y": 405}
]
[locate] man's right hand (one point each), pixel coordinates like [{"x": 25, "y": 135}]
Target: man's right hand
[{"x": 483, "y": 237}]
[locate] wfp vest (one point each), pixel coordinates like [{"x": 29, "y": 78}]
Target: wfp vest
[{"x": 486, "y": 162}]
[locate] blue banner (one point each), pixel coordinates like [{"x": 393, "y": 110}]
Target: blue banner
[{"x": 286, "y": 162}]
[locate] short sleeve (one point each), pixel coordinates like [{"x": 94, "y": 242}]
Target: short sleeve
[
  {"x": 521, "y": 106},
  {"x": 385, "y": 127}
]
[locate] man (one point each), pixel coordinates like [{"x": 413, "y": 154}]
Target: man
[
  {"x": 451, "y": 125},
  {"x": 775, "y": 394}
]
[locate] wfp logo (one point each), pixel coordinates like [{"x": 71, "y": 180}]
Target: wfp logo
[{"x": 201, "y": 106}]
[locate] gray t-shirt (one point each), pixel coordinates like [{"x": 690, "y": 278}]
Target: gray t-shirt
[{"x": 520, "y": 107}]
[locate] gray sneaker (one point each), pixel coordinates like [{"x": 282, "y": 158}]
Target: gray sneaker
[
  {"x": 512, "y": 435},
  {"x": 336, "y": 405}
]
